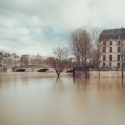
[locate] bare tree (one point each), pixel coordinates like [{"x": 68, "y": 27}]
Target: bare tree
[
  {"x": 61, "y": 55},
  {"x": 50, "y": 61},
  {"x": 81, "y": 47},
  {"x": 5, "y": 59},
  {"x": 96, "y": 46},
  {"x": 121, "y": 49},
  {"x": 85, "y": 46},
  {"x": 24, "y": 60},
  {"x": 75, "y": 46},
  {"x": 38, "y": 60},
  {"x": 32, "y": 61}
]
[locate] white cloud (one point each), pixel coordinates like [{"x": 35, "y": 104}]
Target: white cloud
[
  {"x": 8, "y": 22},
  {"x": 34, "y": 21},
  {"x": 37, "y": 26}
]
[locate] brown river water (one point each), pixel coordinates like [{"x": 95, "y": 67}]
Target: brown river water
[{"x": 41, "y": 99}]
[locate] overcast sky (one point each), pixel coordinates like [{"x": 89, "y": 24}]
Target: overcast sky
[{"x": 37, "y": 26}]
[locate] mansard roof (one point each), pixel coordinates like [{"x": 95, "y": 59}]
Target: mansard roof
[{"x": 111, "y": 34}]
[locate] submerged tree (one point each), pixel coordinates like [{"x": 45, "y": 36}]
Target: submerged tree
[
  {"x": 85, "y": 47},
  {"x": 96, "y": 46},
  {"x": 121, "y": 50},
  {"x": 81, "y": 47},
  {"x": 75, "y": 46},
  {"x": 60, "y": 62}
]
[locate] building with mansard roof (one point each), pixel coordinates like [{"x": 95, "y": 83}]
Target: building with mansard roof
[{"x": 112, "y": 48}]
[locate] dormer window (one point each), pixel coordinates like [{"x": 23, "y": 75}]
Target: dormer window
[{"x": 118, "y": 36}]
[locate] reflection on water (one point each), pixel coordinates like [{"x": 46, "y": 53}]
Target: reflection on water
[{"x": 41, "y": 99}]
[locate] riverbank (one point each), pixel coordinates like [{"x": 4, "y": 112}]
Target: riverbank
[
  {"x": 3, "y": 69},
  {"x": 102, "y": 74},
  {"x": 90, "y": 73}
]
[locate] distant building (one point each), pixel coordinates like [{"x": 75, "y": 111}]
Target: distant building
[
  {"x": 25, "y": 60},
  {"x": 111, "y": 44}
]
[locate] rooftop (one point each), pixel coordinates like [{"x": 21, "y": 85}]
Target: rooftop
[{"x": 112, "y": 34}]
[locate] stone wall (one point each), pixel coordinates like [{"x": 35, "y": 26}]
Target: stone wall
[
  {"x": 102, "y": 73},
  {"x": 105, "y": 73},
  {"x": 2, "y": 69}
]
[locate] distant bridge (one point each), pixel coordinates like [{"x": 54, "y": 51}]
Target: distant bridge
[
  {"x": 36, "y": 69},
  {"x": 31, "y": 69}
]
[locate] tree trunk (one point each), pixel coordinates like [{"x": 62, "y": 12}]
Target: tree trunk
[
  {"x": 82, "y": 65},
  {"x": 98, "y": 67},
  {"x": 122, "y": 68},
  {"x": 85, "y": 69},
  {"x": 58, "y": 74},
  {"x": 77, "y": 62}
]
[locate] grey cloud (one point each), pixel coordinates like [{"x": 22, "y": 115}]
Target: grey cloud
[{"x": 42, "y": 24}]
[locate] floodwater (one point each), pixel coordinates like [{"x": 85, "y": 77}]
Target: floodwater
[{"x": 41, "y": 99}]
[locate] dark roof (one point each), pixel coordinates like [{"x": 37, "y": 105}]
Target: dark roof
[{"x": 112, "y": 34}]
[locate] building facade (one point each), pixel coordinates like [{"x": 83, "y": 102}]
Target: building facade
[{"x": 112, "y": 48}]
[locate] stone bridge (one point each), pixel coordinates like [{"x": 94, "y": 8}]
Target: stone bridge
[
  {"x": 36, "y": 69},
  {"x": 32, "y": 69}
]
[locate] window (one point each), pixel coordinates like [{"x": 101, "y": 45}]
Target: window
[
  {"x": 119, "y": 42},
  {"x": 110, "y": 49},
  {"x": 104, "y": 43},
  {"x": 118, "y": 57},
  {"x": 104, "y": 58},
  {"x": 111, "y": 36},
  {"x": 118, "y": 64},
  {"x": 104, "y": 49},
  {"x": 103, "y": 64},
  {"x": 110, "y": 42},
  {"x": 118, "y": 49},
  {"x": 110, "y": 57},
  {"x": 124, "y": 64},
  {"x": 110, "y": 64}
]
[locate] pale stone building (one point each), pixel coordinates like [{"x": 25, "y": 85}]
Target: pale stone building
[{"x": 111, "y": 44}]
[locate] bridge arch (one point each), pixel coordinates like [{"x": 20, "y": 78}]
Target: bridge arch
[
  {"x": 20, "y": 70},
  {"x": 42, "y": 70},
  {"x": 70, "y": 71}
]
